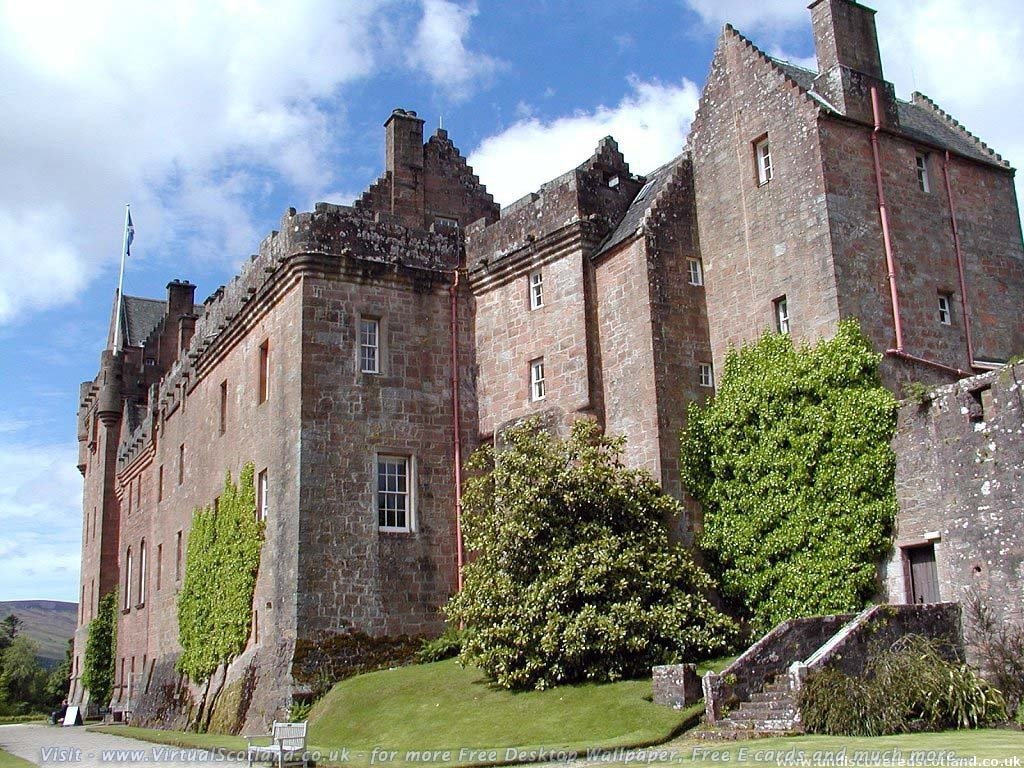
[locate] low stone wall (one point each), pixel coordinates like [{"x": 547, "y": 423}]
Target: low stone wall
[
  {"x": 770, "y": 656},
  {"x": 878, "y": 628}
]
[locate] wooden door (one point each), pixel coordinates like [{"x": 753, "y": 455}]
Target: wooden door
[{"x": 924, "y": 578}]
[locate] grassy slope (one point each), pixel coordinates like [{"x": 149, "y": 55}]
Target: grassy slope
[
  {"x": 442, "y": 705},
  {"x": 985, "y": 743},
  {"x": 7, "y": 760}
]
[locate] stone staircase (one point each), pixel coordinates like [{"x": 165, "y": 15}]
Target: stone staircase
[{"x": 771, "y": 711}]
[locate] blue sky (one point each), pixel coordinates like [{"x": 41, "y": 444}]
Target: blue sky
[{"x": 212, "y": 118}]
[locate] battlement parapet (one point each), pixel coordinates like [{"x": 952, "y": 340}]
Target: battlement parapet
[{"x": 328, "y": 232}]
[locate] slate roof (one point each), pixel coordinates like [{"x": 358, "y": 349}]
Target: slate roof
[
  {"x": 139, "y": 317},
  {"x": 637, "y": 211},
  {"x": 917, "y": 121}
]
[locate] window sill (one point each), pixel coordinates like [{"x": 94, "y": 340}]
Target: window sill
[{"x": 393, "y": 531}]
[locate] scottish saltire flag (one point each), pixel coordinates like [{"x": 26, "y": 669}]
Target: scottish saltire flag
[{"x": 129, "y": 235}]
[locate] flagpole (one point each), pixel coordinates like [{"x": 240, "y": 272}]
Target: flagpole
[{"x": 120, "y": 282}]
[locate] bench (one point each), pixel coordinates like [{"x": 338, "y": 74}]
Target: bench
[{"x": 288, "y": 745}]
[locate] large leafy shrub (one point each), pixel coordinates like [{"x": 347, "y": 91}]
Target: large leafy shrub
[
  {"x": 911, "y": 687},
  {"x": 792, "y": 465},
  {"x": 223, "y": 557},
  {"x": 100, "y": 651},
  {"x": 575, "y": 578}
]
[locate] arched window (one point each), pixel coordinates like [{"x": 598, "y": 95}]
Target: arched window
[
  {"x": 128, "y": 580},
  {"x": 142, "y": 572}
]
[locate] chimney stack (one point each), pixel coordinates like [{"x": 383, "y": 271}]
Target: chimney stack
[
  {"x": 404, "y": 161},
  {"x": 849, "y": 64}
]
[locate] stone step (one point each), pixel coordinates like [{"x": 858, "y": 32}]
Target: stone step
[
  {"x": 761, "y": 724},
  {"x": 772, "y": 705},
  {"x": 771, "y": 696},
  {"x": 780, "y": 685},
  {"x": 732, "y": 734}
]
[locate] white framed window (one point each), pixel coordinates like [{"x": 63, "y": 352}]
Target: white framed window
[
  {"x": 394, "y": 493},
  {"x": 537, "y": 391},
  {"x": 707, "y": 375},
  {"x": 695, "y": 268},
  {"x": 763, "y": 157},
  {"x": 369, "y": 345},
  {"x": 922, "y": 172},
  {"x": 781, "y": 306},
  {"x": 945, "y": 309},
  {"x": 142, "y": 574},
  {"x": 128, "y": 579},
  {"x": 536, "y": 290},
  {"x": 262, "y": 505},
  {"x": 446, "y": 223}
]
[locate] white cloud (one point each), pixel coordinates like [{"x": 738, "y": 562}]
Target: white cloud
[
  {"x": 41, "y": 510},
  {"x": 189, "y": 110},
  {"x": 650, "y": 125},
  {"x": 762, "y": 15},
  {"x": 439, "y": 49}
]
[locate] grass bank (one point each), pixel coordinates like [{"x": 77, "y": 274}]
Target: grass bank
[{"x": 7, "y": 760}]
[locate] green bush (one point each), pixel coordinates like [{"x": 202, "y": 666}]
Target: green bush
[
  {"x": 222, "y": 560},
  {"x": 575, "y": 578},
  {"x": 792, "y": 465},
  {"x": 100, "y": 651},
  {"x": 447, "y": 646},
  {"x": 910, "y": 687}
]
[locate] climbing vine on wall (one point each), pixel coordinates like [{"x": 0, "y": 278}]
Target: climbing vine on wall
[
  {"x": 792, "y": 464},
  {"x": 100, "y": 650},
  {"x": 222, "y": 560}
]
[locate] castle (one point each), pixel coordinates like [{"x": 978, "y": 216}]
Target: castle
[{"x": 366, "y": 349}]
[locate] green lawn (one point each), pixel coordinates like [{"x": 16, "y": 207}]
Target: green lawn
[
  {"x": 444, "y": 706},
  {"x": 9, "y": 719},
  {"x": 7, "y": 760},
  {"x": 985, "y": 743}
]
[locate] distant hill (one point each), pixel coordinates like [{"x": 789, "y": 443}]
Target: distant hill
[{"x": 50, "y": 623}]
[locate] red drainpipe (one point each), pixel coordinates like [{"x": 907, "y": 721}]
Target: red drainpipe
[
  {"x": 889, "y": 261},
  {"x": 456, "y": 427},
  {"x": 959, "y": 261}
]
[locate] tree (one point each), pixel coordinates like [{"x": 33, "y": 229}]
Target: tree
[
  {"x": 101, "y": 651},
  {"x": 792, "y": 464},
  {"x": 9, "y": 630},
  {"x": 24, "y": 678},
  {"x": 59, "y": 679},
  {"x": 575, "y": 578}
]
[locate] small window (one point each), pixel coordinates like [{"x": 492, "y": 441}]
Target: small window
[
  {"x": 263, "y": 386},
  {"x": 128, "y": 579},
  {"x": 945, "y": 309},
  {"x": 537, "y": 391},
  {"x": 707, "y": 375},
  {"x": 763, "y": 156},
  {"x": 696, "y": 271},
  {"x": 177, "y": 556},
  {"x": 138, "y": 493},
  {"x": 394, "y": 509},
  {"x": 781, "y": 306},
  {"x": 261, "y": 496},
  {"x": 922, "y": 172},
  {"x": 159, "y": 565},
  {"x": 536, "y": 290},
  {"x": 369, "y": 345},
  {"x": 131, "y": 497},
  {"x": 160, "y": 483},
  {"x": 150, "y": 361},
  {"x": 142, "y": 574},
  {"x": 223, "y": 426},
  {"x": 181, "y": 464}
]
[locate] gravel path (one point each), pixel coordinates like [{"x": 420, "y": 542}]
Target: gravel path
[{"x": 75, "y": 747}]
